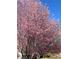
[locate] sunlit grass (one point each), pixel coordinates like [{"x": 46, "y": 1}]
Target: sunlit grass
[{"x": 53, "y": 56}]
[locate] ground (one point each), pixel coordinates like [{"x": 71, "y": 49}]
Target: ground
[{"x": 53, "y": 56}]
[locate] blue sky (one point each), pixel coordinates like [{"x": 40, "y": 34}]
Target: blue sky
[{"x": 54, "y": 8}]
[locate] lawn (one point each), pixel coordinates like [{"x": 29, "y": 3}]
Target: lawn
[{"x": 53, "y": 56}]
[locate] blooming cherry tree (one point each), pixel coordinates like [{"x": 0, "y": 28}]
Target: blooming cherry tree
[{"x": 35, "y": 32}]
